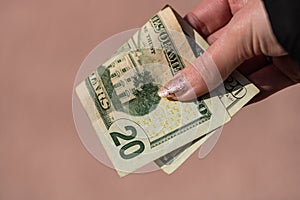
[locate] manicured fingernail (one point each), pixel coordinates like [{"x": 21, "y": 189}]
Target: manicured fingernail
[{"x": 176, "y": 85}]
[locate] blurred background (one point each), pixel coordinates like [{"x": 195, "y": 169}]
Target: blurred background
[{"x": 42, "y": 44}]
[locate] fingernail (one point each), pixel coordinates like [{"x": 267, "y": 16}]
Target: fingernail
[{"x": 176, "y": 85}]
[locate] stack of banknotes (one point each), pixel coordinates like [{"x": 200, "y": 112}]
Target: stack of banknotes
[{"x": 136, "y": 126}]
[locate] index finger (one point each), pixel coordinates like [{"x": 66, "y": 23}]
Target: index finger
[{"x": 209, "y": 16}]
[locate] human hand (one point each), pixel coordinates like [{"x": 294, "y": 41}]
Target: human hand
[{"x": 240, "y": 34}]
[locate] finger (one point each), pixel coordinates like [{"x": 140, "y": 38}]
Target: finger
[
  {"x": 269, "y": 80},
  {"x": 200, "y": 76},
  {"x": 190, "y": 85},
  {"x": 231, "y": 49},
  {"x": 249, "y": 66},
  {"x": 207, "y": 71},
  {"x": 183, "y": 85},
  {"x": 208, "y": 16},
  {"x": 216, "y": 35}
]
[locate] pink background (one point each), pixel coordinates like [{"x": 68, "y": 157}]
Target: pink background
[{"x": 42, "y": 44}]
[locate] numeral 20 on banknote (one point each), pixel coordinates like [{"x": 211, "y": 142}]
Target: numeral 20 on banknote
[{"x": 127, "y": 137}]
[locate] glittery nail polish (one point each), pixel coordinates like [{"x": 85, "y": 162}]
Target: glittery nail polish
[{"x": 176, "y": 85}]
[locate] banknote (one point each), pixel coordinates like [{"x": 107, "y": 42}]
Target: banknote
[
  {"x": 236, "y": 92},
  {"x": 135, "y": 125},
  {"x": 234, "y": 100}
]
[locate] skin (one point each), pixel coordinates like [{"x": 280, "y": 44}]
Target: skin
[{"x": 242, "y": 28}]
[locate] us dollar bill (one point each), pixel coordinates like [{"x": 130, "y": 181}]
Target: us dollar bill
[
  {"x": 135, "y": 125},
  {"x": 172, "y": 161},
  {"x": 236, "y": 92}
]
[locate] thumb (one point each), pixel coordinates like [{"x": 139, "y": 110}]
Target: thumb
[
  {"x": 207, "y": 71},
  {"x": 247, "y": 34}
]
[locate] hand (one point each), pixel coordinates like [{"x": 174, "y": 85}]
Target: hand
[{"x": 240, "y": 34}]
